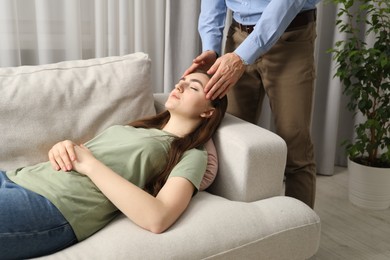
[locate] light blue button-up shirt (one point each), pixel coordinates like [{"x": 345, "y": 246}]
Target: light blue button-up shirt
[{"x": 270, "y": 17}]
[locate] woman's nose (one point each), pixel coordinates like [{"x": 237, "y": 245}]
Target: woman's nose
[{"x": 179, "y": 87}]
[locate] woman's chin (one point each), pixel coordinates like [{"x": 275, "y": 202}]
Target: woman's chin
[{"x": 169, "y": 105}]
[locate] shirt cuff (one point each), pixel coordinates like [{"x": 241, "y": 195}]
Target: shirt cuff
[{"x": 248, "y": 51}]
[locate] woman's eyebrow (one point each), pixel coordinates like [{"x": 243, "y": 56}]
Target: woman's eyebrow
[
  {"x": 192, "y": 80},
  {"x": 198, "y": 81}
]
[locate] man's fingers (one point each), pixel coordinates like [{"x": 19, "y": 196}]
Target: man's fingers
[
  {"x": 196, "y": 63},
  {"x": 211, "y": 84},
  {"x": 224, "y": 93},
  {"x": 227, "y": 70},
  {"x": 215, "y": 85},
  {"x": 213, "y": 69},
  {"x": 204, "y": 61},
  {"x": 205, "y": 56},
  {"x": 200, "y": 58},
  {"x": 219, "y": 88},
  {"x": 191, "y": 69}
]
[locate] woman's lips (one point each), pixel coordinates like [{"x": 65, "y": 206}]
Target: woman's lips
[{"x": 174, "y": 96}]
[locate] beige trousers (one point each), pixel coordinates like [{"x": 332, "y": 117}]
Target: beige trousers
[{"x": 286, "y": 75}]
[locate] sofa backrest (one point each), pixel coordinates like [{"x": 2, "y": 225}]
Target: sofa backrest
[{"x": 75, "y": 100}]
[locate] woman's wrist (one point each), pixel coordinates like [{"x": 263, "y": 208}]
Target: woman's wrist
[
  {"x": 88, "y": 168},
  {"x": 93, "y": 167}
]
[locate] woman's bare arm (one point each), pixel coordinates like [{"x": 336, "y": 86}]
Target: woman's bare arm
[{"x": 155, "y": 214}]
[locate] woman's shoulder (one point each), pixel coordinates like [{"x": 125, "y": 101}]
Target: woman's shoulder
[{"x": 196, "y": 153}]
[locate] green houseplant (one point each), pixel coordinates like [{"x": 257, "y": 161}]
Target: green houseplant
[
  {"x": 365, "y": 75},
  {"x": 364, "y": 71}
]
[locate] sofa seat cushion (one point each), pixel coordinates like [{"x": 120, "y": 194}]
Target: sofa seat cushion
[
  {"x": 212, "y": 227},
  {"x": 41, "y": 105}
]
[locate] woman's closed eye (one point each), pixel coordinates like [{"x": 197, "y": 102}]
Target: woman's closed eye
[
  {"x": 194, "y": 88},
  {"x": 191, "y": 85}
]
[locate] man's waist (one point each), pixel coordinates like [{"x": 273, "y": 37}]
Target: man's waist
[{"x": 301, "y": 19}]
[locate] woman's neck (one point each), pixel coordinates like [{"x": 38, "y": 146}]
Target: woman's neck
[{"x": 180, "y": 127}]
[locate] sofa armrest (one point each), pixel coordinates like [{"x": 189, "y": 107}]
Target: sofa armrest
[{"x": 251, "y": 159}]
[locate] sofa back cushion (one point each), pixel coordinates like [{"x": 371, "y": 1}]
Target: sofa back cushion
[{"x": 75, "y": 100}]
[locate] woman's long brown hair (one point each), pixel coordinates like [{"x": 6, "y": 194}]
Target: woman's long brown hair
[{"x": 179, "y": 145}]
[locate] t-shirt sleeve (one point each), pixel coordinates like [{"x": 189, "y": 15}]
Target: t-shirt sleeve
[{"x": 192, "y": 166}]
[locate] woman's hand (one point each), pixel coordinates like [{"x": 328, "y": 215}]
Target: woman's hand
[
  {"x": 67, "y": 156},
  {"x": 85, "y": 161},
  {"x": 61, "y": 155}
]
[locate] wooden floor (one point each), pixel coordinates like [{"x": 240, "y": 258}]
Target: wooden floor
[{"x": 349, "y": 232}]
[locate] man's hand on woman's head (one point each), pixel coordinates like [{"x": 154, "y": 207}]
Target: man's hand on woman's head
[
  {"x": 203, "y": 62},
  {"x": 227, "y": 70}
]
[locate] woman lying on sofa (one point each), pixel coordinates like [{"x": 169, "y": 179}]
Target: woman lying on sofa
[{"x": 149, "y": 170}]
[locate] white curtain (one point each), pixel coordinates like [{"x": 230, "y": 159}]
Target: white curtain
[
  {"x": 332, "y": 122},
  {"x": 46, "y": 31}
]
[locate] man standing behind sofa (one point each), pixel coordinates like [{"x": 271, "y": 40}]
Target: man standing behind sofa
[{"x": 269, "y": 50}]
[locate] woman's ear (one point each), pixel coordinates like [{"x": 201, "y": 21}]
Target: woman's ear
[{"x": 208, "y": 113}]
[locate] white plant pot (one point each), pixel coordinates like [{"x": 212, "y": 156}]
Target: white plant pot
[{"x": 369, "y": 187}]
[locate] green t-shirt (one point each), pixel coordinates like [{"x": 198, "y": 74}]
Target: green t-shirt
[{"x": 134, "y": 153}]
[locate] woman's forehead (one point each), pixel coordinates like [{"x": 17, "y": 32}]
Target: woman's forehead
[{"x": 199, "y": 76}]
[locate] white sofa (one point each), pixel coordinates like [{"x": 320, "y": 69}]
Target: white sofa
[{"x": 243, "y": 215}]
